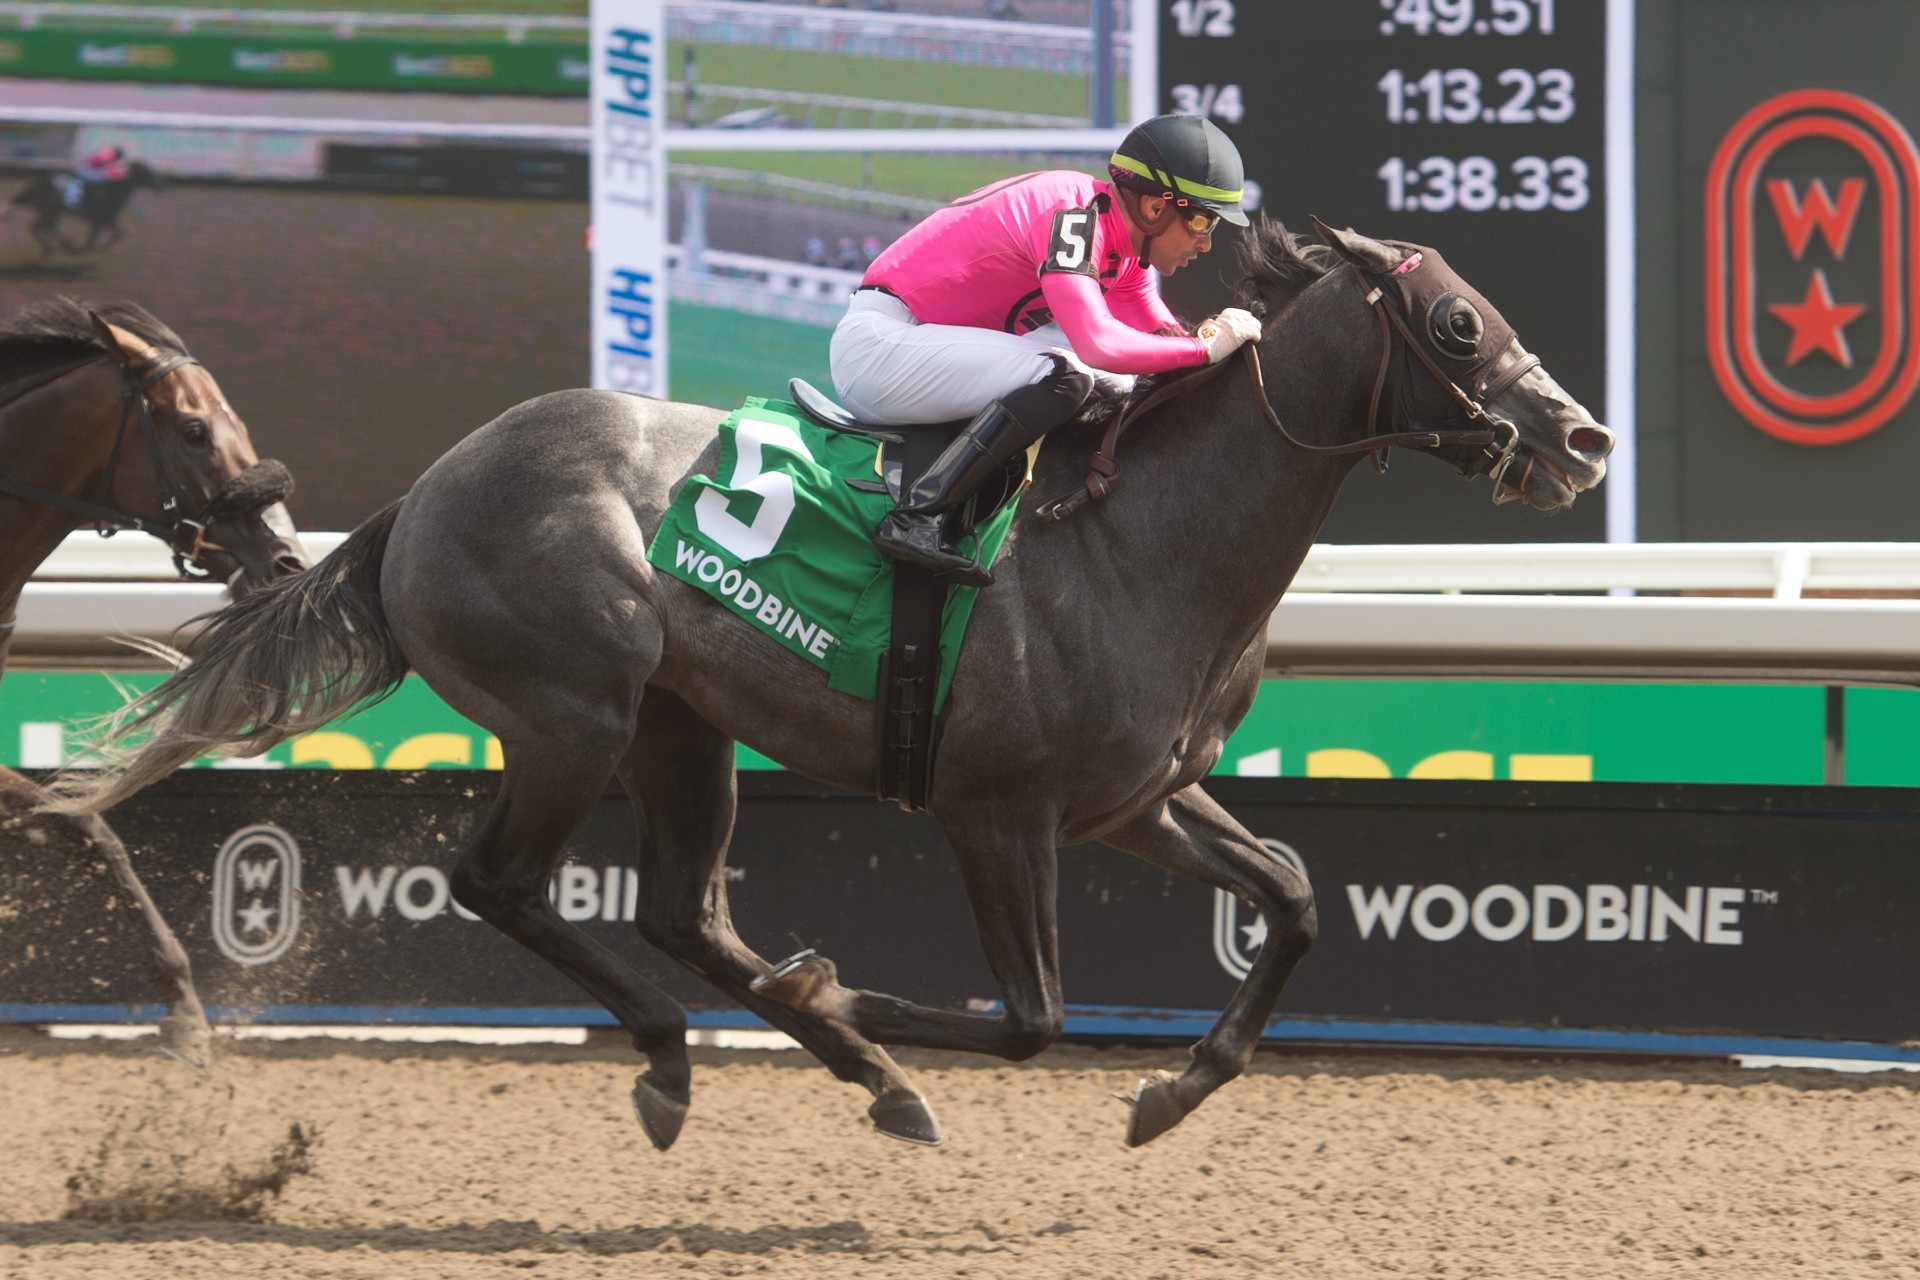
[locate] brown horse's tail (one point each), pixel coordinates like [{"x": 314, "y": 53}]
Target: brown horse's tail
[{"x": 283, "y": 660}]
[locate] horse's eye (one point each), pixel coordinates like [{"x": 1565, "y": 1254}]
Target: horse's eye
[
  {"x": 1456, "y": 327},
  {"x": 196, "y": 433}
]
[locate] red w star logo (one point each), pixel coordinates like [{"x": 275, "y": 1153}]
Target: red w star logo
[{"x": 1816, "y": 321}]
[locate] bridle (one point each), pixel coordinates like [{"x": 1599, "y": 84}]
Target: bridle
[
  {"x": 1488, "y": 376},
  {"x": 258, "y": 487},
  {"x": 1499, "y": 438}
]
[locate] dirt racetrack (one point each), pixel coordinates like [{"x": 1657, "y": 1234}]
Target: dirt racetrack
[{"x": 453, "y": 1161}]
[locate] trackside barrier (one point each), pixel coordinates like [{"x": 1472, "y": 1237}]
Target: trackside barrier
[
  {"x": 1428, "y": 612},
  {"x": 1622, "y": 917}
]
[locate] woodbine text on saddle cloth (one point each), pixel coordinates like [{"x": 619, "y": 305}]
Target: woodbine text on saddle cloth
[{"x": 778, "y": 537}]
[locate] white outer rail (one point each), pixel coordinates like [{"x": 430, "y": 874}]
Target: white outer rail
[
  {"x": 1783, "y": 569},
  {"x": 1354, "y": 611},
  {"x": 1596, "y": 638}
]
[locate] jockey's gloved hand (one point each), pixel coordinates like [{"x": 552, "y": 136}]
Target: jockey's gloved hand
[{"x": 1225, "y": 333}]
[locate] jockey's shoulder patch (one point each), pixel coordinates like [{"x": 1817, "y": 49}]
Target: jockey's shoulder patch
[{"x": 1070, "y": 247}]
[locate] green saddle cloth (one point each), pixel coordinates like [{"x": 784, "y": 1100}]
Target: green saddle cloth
[{"x": 780, "y": 537}]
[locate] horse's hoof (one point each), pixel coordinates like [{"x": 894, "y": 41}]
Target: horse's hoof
[
  {"x": 907, "y": 1117},
  {"x": 188, "y": 1040},
  {"x": 660, "y": 1114},
  {"x": 1155, "y": 1109},
  {"x": 797, "y": 980}
]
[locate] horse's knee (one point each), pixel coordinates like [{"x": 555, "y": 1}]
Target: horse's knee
[
  {"x": 1027, "y": 1037},
  {"x": 671, "y": 936},
  {"x": 1285, "y": 900},
  {"x": 1294, "y": 920},
  {"x": 492, "y": 900}
]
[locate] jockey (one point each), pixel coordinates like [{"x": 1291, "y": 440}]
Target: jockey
[
  {"x": 1023, "y": 295},
  {"x": 108, "y": 164}
]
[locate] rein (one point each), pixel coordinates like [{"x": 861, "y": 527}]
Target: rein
[
  {"x": 1104, "y": 473},
  {"x": 259, "y": 486}
]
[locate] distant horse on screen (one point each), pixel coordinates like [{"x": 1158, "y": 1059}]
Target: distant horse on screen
[
  {"x": 52, "y": 198},
  {"x": 106, "y": 420},
  {"x": 1101, "y": 674}
]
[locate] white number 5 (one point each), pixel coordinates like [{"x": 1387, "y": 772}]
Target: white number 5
[
  {"x": 751, "y": 540},
  {"x": 1070, "y": 230}
]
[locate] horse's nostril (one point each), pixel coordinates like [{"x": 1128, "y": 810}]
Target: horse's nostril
[{"x": 1594, "y": 442}]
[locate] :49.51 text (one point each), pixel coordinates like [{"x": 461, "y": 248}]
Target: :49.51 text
[{"x": 1467, "y": 17}]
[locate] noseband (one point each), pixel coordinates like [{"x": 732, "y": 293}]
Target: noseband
[{"x": 258, "y": 487}]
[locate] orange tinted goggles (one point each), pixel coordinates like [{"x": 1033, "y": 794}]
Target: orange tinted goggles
[{"x": 1202, "y": 221}]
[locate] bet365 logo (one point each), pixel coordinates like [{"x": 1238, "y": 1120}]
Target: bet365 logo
[{"x": 1811, "y": 231}]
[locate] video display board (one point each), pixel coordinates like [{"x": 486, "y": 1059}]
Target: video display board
[
  {"x": 1476, "y": 127},
  {"x": 373, "y": 275}
]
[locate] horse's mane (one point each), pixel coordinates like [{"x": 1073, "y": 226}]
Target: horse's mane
[
  {"x": 54, "y": 332},
  {"x": 1276, "y": 266}
]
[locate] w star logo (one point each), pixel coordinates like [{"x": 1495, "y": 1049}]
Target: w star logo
[{"x": 1812, "y": 279}]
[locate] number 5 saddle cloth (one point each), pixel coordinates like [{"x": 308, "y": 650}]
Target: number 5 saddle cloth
[{"x": 782, "y": 534}]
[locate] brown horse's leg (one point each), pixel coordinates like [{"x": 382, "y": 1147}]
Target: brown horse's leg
[
  {"x": 679, "y": 774},
  {"x": 1009, "y": 864},
  {"x": 1192, "y": 836},
  {"x": 550, "y": 785},
  {"x": 47, "y": 233},
  {"x": 183, "y": 1031}
]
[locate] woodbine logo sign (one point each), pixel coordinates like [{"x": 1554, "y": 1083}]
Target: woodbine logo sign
[
  {"x": 1648, "y": 913},
  {"x": 1551, "y": 913}
]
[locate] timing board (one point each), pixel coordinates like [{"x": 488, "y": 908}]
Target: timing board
[{"x": 1475, "y": 127}]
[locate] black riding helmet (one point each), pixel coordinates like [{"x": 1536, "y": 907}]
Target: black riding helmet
[{"x": 1186, "y": 160}]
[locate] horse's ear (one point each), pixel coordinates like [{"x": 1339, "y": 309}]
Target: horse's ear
[
  {"x": 1362, "y": 251},
  {"x": 111, "y": 341}
]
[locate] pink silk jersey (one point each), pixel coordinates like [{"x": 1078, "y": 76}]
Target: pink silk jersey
[{"x": 1041, "y": 248}]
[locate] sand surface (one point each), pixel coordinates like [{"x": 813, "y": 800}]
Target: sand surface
[{"x": 323, "y": 1159}]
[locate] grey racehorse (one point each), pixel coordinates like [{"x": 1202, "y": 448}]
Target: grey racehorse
[{"x": 1101, "y": 674}]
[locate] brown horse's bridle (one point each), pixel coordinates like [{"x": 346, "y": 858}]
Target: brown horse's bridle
[
  {"x": 258, "y": 487},
  {"x": 1500, "y": 438}
]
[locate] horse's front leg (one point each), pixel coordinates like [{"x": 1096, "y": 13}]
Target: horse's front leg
[
  {"x": 1009, "y": 865},
  {"x": 1192, "y": 836},
  {"x": 184, "y": 1033},
  {"x": 50, "y": 240}
]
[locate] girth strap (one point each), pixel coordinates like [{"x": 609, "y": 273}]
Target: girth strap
[{"x": 905, "y": 731}]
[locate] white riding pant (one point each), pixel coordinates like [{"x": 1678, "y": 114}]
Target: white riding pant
[{"x": 891, "y": 369}]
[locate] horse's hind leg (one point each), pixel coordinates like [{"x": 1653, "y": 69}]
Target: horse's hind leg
[
  {"x": 1192, "y": 836},
  {"x": 1010, "y": 867},
  {"x": 679, "y": 773},
  {"x": 184, "y": 1033},
  {"x": 548, "y": 788}
]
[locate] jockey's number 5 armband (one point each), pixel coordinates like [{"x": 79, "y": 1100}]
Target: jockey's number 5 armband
[{"x": 1070, "y": 248}]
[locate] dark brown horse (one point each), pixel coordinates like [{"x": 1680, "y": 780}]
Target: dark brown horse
[{"x": 105, "y": 420}]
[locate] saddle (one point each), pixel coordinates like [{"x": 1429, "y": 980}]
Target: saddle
[
  {"x": 906, "y": 734},
  {"x": 895, "y": 479}
]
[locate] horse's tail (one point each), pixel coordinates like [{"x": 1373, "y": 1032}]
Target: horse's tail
[{"x": 283, "y": 660}]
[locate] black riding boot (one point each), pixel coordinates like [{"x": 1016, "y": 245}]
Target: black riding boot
[{"x": 916, "y": 532}]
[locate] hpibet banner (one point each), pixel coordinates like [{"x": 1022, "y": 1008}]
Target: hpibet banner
[{"x": 629, "y": 91}]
